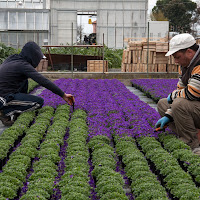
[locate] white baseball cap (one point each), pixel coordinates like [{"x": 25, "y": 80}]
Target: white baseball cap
[{"x": 181, "y": 41}]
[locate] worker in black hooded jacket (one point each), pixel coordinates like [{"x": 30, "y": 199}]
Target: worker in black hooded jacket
[{"x": 14, "y": 74}]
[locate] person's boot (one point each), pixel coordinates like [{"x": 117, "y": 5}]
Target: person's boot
[{"x": 5, "y": 120}]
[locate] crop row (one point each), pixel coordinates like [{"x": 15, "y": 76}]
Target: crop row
[
  {"x": 109, "y": 183},
  {"x": 41, "y": 180},
  {"x": 74, "y": 183},
  {"x": 155, "y": 88},
  {"x": 11, "y": 136},
  {"x": 117, "y": 117},
  {"x": 144, "y": 183},
  {"x": 14, "y": 172},
  {"x": 176, "y": 180}
]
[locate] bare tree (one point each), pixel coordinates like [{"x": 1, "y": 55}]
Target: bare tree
[{"x": 80, "y": 34}]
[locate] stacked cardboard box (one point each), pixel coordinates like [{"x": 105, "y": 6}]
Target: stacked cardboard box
[
  {"x": 143, "y": 56},
  {"x": 97, "y": 66}
]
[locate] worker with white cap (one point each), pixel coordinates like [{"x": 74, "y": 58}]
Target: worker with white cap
[{"x": 181, "y": 109}]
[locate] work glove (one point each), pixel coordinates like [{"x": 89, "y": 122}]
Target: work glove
[
  {"x": 169, "y": 99},
  {"x": 162, "y": 122}
]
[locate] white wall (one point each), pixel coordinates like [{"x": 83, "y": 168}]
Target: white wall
[
  {"x": 158, "y": 29},
  {"x": 116, "y": 19}
]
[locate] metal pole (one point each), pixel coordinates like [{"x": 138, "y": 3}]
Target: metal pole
[
  {"x": 72, "y": 66},
  {"x": 148, "y": 49},
  {"x": 103, "y": 52}
]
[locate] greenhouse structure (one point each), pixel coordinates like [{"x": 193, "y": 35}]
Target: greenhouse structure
[{"x": 54, "y": 22}]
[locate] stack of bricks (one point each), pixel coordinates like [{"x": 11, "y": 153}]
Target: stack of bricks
[
  {"x": 97, "y": 66},
  {"x": 142, "y": 56}
]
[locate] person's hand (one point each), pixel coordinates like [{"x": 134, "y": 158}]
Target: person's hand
[
  {"x": 169, "y": 99},
  {"x": 162, "y": 122},
  {"x": 69, "y": 99}
]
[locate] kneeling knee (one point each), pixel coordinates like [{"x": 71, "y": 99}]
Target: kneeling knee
[{"x": 178, "y": 104}]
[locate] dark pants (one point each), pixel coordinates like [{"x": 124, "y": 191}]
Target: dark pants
[{"x": 21, "y": 101}]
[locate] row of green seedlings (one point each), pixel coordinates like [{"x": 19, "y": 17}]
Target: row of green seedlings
[
  {"x": 41, "y": 182},
  {"x": 74, "y": 184},
  {"x": 144, "y": 183},
  {"x": 12, "y": 135},
  {"x": 32, "y": 85},
  {"x": 16, "y": 169},
  {"x": 109, "y": 183},
  {"x": 178, "y": 182},
  {"x": 183, "y": 153}
]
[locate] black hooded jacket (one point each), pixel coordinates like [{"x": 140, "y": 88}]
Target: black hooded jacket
[{"x": 19, "y": 67}]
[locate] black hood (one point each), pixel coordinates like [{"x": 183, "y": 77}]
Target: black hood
[{"x": 32, "y": 53}]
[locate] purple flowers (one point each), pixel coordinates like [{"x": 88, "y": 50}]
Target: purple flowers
[{"x": 110, "y": 107}]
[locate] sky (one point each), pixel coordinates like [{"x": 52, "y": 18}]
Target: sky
[{"x": 152, "y": 3}]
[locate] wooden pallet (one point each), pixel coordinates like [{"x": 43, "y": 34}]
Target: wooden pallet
[
  {"x": 139, "y": 53},
  {"x": 97, "y": 66}
]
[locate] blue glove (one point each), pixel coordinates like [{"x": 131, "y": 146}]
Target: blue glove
[
  {"x": 162, "y": 122},
  {"x": 169, "y": 99}
]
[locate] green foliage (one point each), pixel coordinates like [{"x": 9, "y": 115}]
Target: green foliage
[
  {"x": 33, "y": 196},
  {"x": 183, "y": 189},
  {"x": 44, "y": 163},
  {"x": 38, "y": 192},
  {"x": 152, "y": 195},
  {"x": 98, "y": 139},
  {"x": 74, "y": 188},
  {"x": 11, "y": 179},
  {"x": 31, "y": 85},
  {"x": 110, "y": 188},
  {"x": 40, "y": 175},
  {"x": 74, "y": 195},
  {"x": 148, "y": 186},
  {"x": 43, "y": 183},
  {"x": 7, "y": 192},
  {"x": 17, "y": 174},
  {"x": 113, "y": 56},
  {"x": 6, "y": 51},
  {"x": 114, "y": 195}
]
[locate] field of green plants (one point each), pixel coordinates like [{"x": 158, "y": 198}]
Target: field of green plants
[{"x": 105, "y": 148}]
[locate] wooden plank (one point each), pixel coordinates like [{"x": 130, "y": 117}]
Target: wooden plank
[
  {"x": 161, "y": 67},
  {"x": 126, "y": 57},
  {"x": 151, "y": 46},
  {"x": 138, "y": 67},
  {"x": 123, "y": 69},
  {"x": 129, "y": 57},
  {"x": 139, "y": 56},
  {"x": 150, "y": 56},
  {"x": 123, "y": 56},
  {"x": 161, "y": 47},
  {"x": 151, "y": 67},
  {"x": 133, "y": 56},
  {"x": 161, "y": 58},
  {"x": 154, "y": 58},
  {"x": 135, "y": 48}
]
